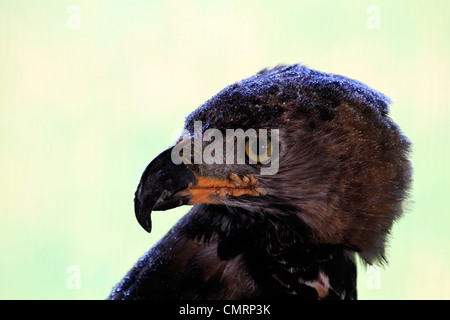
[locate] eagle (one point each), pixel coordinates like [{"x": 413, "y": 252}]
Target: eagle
[{"x": 342, "y": 175}]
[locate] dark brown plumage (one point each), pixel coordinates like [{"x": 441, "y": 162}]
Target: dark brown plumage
[{"x": 343, "y": 175}]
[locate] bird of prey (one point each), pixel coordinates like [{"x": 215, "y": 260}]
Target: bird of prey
[{"x": 342, "y": 175}]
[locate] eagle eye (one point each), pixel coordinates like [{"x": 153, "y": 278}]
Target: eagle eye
[{"x": 257, "y": 151}]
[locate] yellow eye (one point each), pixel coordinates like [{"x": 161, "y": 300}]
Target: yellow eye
[
  {"x": 258, "y": 155},
  {"x": 251, "y": 150},
  {"x": 265, "y": 151}
]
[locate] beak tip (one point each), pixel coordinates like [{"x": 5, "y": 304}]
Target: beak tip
[
  {"x": 144, "y": 218},
  {"x": 148, "y": 225},
  {"x": 145, "y": 222}
]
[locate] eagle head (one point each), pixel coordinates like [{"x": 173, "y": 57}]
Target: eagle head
[{"x": 292, "y": 144}]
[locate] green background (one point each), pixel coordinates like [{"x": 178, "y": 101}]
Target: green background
[{"x": 82, "y": 112}]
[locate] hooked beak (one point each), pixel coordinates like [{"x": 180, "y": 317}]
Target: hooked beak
[
  {"x": 165, "y": 185},
  {"x": 160, "y": 182}
]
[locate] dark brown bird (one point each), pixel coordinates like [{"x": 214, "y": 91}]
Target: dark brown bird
[{"x": 341, "y": 177}]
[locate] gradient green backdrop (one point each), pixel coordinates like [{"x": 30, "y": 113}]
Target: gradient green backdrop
[{"x": 86, "y": 103}]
